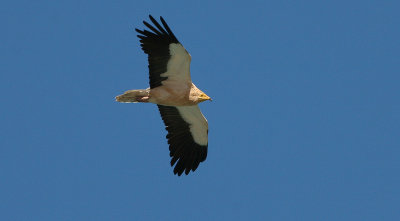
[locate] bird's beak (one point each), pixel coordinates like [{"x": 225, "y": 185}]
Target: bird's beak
[{"x": 205, "y": 97}]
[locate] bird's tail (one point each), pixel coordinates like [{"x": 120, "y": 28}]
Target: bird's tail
[{"x": 133, "y": 96}]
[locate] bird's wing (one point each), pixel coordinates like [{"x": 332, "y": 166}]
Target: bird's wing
[
  {"x": 187, "y": 136},
  {"x": 168, "y": 59}
]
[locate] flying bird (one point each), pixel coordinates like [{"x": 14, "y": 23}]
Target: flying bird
[{"x": 177, "y": 98}]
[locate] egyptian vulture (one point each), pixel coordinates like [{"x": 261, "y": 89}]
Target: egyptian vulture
[{"x": 171, "y": 88}]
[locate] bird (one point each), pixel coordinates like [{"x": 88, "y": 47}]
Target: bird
[{"x": 177, "y": 98}]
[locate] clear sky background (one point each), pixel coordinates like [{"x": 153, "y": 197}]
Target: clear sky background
[{"x": 304, "y": 123}]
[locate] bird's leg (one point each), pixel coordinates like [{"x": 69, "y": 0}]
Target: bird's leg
[{"x": 143, "y": 99}]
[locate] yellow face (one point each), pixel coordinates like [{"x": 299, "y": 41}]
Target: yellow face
[{"x": 204, "y": 97}]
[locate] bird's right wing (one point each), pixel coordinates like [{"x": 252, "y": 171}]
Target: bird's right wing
[{"x": 168, "y": 59}]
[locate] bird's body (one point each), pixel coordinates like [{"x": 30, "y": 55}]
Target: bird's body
[
  {"x": 172, "y": 94},
  {"x": 171, "y": 88}
]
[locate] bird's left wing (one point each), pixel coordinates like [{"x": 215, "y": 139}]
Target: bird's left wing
[
  {"x": 168, "y": 59},
  {"x": 187, "y": 136}
]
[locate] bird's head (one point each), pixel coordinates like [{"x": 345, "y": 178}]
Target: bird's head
[{"x": 204, "y": 97}]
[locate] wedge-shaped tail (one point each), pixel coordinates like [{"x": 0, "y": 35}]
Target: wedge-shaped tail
[{"x": 133, "y": 96}]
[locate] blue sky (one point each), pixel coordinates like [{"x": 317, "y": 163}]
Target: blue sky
[{"x": 304, "y": 123}]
